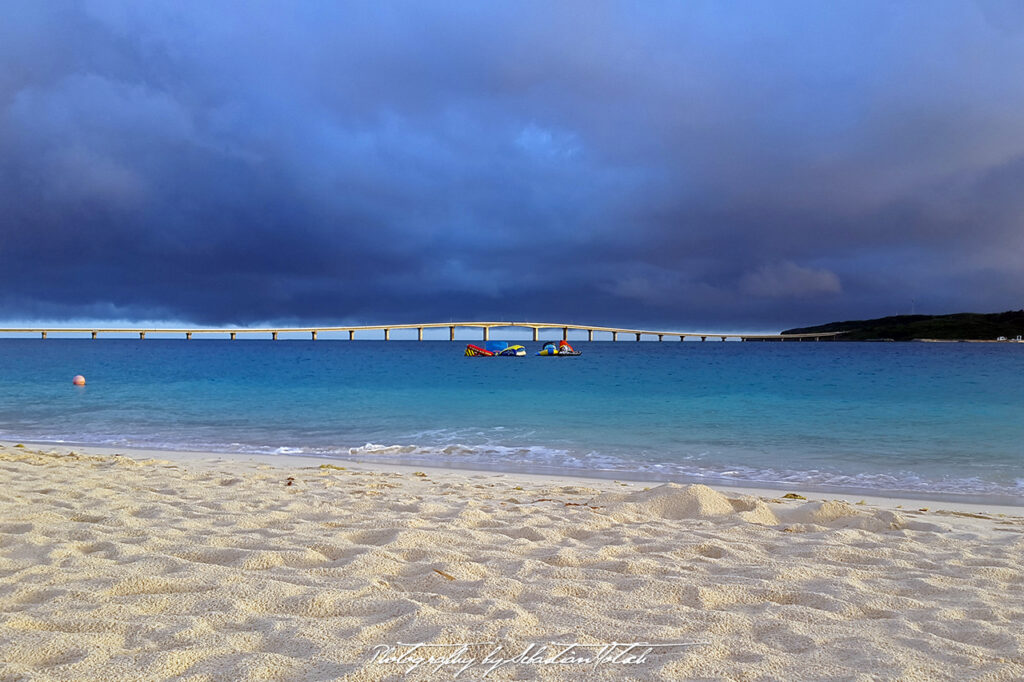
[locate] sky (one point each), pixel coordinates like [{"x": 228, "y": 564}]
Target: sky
[{"x": 715, "y": 165}]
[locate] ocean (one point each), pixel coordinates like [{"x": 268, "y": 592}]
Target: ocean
[{"x": 920, "y": 419}]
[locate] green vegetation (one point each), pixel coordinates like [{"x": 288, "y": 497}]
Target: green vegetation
[{"x": 973, "y": 326}]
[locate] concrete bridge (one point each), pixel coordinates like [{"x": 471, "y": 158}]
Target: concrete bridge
[{"x": 485, "y": 327}]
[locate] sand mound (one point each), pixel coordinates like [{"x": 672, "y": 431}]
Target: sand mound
[
  {"x": 674, "y": 501},
  {"x": 668, "y": 501},
  {"x": 839, "y": 514},
  {"x": 753, "y": 510}
]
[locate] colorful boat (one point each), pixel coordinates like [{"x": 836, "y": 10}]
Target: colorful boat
[
  {"x": 495, "y": 348},
  {"x": 503, "y": 349},
  {"x": 565, "y": 349},
  {"x": 562, "y": 349},
  {"x": 548, "y": 349}
]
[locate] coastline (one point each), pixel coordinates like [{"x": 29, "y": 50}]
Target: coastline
[
  {"x": 267, "y": 567},
  {"x": 963, "y": 503}
]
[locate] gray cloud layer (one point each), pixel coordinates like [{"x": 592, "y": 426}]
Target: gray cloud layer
[{"x": 739, "y": 164}]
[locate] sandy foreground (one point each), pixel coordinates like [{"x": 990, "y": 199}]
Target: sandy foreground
[{"x": 198, "y": 568}]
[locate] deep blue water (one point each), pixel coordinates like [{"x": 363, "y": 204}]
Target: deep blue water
[{"x": 887, "y": 417}]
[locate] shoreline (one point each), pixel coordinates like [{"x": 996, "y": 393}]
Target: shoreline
[{"x": 906, "y": 500}]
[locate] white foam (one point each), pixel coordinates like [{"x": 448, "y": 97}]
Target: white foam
[{"x": 481, "y": 448}]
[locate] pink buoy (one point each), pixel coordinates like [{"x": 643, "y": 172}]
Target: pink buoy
[{"x": 79, "y": 380}]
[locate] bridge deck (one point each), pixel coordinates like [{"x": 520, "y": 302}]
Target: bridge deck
[{"x": 386, "y": 328}]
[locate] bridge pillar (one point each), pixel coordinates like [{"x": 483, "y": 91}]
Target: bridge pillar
[
  {"x": 419, "y": 333},
  {"x": 188, "y": 336},
  {"x": 703, "y": 338},
  {"x": 661, "y": 337},
  {"x": 273, "y": 335},
  {"x": 565, "y": 333},
  {"x": 638, "y": 336},
  {"x": 232, "y": 336},
  {"x": 44, "y": 335},
  {"x": 387, "y": 334},
  {"x": 487, "y": 333},
  {"x": 313, "y": 335},
  {"x": 615, "y": 336},
  {"x": 536, "y": 334},
  {"x": 94, "y": 335},
  {"x": 142, "y": 335},
  {"x": 351, "y": 334},
  {"x": 590, "y": 335},
  {"x": 451, "y": 333},
  {"x": 723, "y": 338},
  {"x": 682, "y": 337}
]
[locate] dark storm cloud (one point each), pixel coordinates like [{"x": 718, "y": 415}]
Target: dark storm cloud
[{"x": 683, "y": 164}]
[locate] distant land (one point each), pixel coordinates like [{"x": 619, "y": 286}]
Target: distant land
[{"x": 956, "y": 327}]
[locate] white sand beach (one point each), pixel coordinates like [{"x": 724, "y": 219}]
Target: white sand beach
[{"x": 200, "y": 567}]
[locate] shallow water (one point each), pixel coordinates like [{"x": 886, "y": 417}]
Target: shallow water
[{"x": 925, "y": 418}]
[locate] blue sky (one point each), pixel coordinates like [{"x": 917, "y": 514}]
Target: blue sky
[{"x": 753, "y": 165}]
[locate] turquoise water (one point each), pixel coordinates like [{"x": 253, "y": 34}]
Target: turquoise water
[{"x": 894, "y": 418}]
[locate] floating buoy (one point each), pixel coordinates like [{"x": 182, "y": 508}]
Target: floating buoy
[{"x": 79, "y": 380}]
